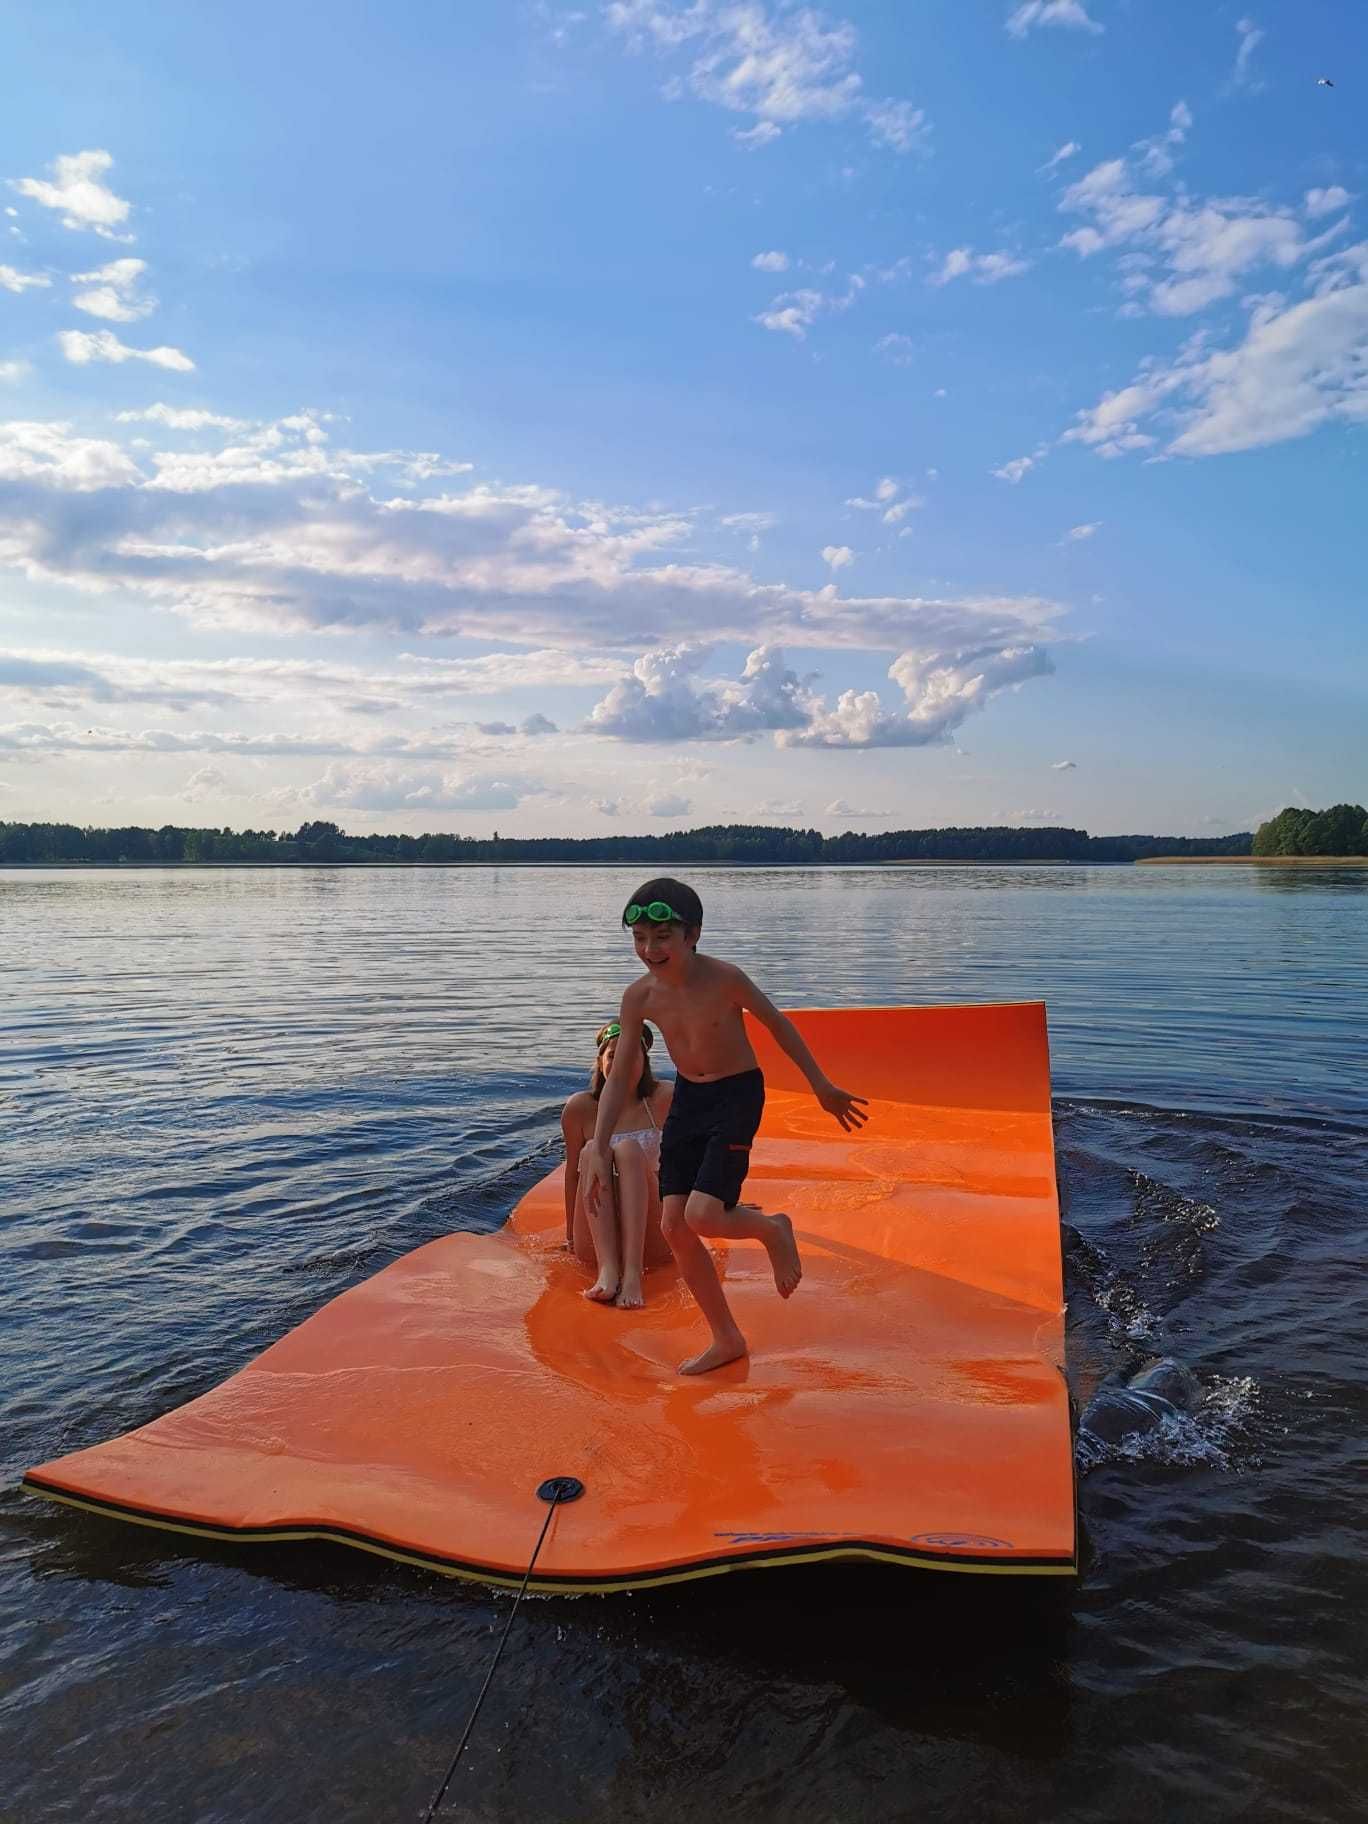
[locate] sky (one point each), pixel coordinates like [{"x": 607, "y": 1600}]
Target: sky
[{"x": 604, "y": 418}]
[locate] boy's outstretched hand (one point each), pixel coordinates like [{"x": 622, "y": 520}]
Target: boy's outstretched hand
[{"x": 841, "y": 1104}]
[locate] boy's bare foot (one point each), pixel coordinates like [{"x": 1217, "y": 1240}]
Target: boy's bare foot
[
  {"x": 723, "y": 1350},
  {"x": 784, "y": 1258},
  {"x": 604, "y": 1289},
  {"x": 630, "y": 1296}
]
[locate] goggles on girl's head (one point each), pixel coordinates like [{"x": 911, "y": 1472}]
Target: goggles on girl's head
[
  {"x": 658, "y": 913},
  {"x": 613, "y": 1030}
]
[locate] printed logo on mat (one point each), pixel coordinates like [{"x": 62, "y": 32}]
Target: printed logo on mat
[{"x": 946, "y": 1541}]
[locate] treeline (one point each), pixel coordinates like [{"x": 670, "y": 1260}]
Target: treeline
[
  {"x": 1342, "y": 830},
  {"x": 757, "y": 844}
]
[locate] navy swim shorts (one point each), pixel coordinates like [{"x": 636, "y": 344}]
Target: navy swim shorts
[{"x": 705, "y": 1145}]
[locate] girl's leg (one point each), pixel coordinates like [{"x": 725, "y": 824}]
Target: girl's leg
[
  {"x": 581, "y": 1240},
  {"x": 638, "y": 1192}
]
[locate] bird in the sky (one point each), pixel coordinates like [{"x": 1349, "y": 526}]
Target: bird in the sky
[{"x": 1324, "y": 82}]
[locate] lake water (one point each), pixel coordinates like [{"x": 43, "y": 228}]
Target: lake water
[{"x": 225, "y": 1096}]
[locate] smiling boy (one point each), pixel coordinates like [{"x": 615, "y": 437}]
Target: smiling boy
[{"x": 697, "y": 1002}]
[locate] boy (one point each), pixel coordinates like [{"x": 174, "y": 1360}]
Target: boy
[{"x": 696, "y": 1001}]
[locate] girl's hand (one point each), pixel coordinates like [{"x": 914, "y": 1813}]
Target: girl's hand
[{"x": 841, "y": 1104}]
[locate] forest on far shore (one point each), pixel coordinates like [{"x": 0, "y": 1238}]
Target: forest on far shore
[
  {"x": 1342, "y": 830},
  {"x": 755, "y": 844}
]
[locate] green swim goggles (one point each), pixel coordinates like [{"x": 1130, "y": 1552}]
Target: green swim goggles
[{"x": 658, "y": 913}]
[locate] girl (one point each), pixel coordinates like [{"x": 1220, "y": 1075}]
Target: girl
[{"x": 623, "y": 1235}]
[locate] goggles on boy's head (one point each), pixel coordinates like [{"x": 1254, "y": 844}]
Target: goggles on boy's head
[{"x": 658, "y": 913}]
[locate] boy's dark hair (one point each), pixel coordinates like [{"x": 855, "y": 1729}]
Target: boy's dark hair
[{"x": 676, "y": 896}]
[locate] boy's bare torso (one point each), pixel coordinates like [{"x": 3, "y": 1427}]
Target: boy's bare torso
[{"x": 699, "y": 1018}]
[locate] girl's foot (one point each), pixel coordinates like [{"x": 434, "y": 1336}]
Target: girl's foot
[
  {"x": 783, "y": 1253},
  {"x": 630, "y": 1297},
  {"x": 723, "y": 1350},
  {"x": 604, "y": 1289}
]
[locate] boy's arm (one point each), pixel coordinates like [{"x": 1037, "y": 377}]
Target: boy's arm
[
  {"x": 838, "y": 1102},
  {"x": 615, "y": 1095}
]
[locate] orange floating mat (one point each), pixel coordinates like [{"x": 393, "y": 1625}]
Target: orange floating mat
[{"x": 907, "y": 1404}]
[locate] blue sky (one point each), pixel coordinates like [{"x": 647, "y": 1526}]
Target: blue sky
[{"x": 591, "y": 418}]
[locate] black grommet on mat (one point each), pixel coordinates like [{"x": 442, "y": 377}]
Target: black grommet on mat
[{"x": 560, "y": 1488}]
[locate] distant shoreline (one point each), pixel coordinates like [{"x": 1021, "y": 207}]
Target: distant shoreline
[{"x": 1252, "y": 861}]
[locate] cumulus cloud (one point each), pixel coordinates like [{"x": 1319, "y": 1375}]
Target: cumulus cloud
[
  {"x": 782, "y": 65},
  {"x": 837, "y": 556},
  {"x": 983, "y": 268},
  {"x": 767, "y": 262},
  {"x": 664, "y": 700},
  {"x": 889, "y": 502},
  {"x": 76, "y": 189},
  {"x": 1063, "y": 766},
  {"x": 1076, "y": 534},
  {"x": 669, "y": 804},
  {"x": 11, "y": 279},
  {"x": 114, "y": 294},
  {"x": 49, "y": 454},
  {"x": 12, "y": 371},
  {"x": 81, "y": 347},
  {"x": 1034, "y": 13},
  {"x": 940, "y": 689}
]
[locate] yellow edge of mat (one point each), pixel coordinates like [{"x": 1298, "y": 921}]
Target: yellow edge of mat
[{"x": 548, "y": 1586}]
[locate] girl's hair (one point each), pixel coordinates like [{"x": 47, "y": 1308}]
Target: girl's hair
[{"x": 646, "y": 1083}]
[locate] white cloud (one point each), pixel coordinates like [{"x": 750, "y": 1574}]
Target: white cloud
[
  {"x": 48, "y": 455},
  {"x": 358, "y": 786},
  {"x": 662, "y": 701},
  {"x": 207, "y": 782},
  {"x": 1068, "y": 150},
  {"x": 763, "y": 133},
  {"x": 669, "y": 804},
  {"x": 1063, "y": 766},
  {"x": 76, "y": 190},
  {"x": 940, "y": 689},
  {"x": 793, "y": 313},
  {"x": 1076, "y": 534},
  {"x": 1050, "y": 12},
  {"x": 1183, "y": 255},
  {"x": 783, "y": 65},
  {"x": 12, "y": 371},
  {"x": 113, "y": 296},
  {"x": 898, "y": 348},
  {"x": 1327, "y": 201},
  {"x": 985, "y": 268},
  {"x": 1017, "y": 469},
  {"x": 837, "y": 556},
  {"x": 1299, "y": 366},
  {"x": 177, "y": 418},
  {"x": 296, "y": 538},
  {"x": 13, "y": 280},
  {"x": 771, "y": 262},
  {"x": 1251, "y": 37},
  {"x": 839, "y": 808},
  {"x": 103, "y": 345}
]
